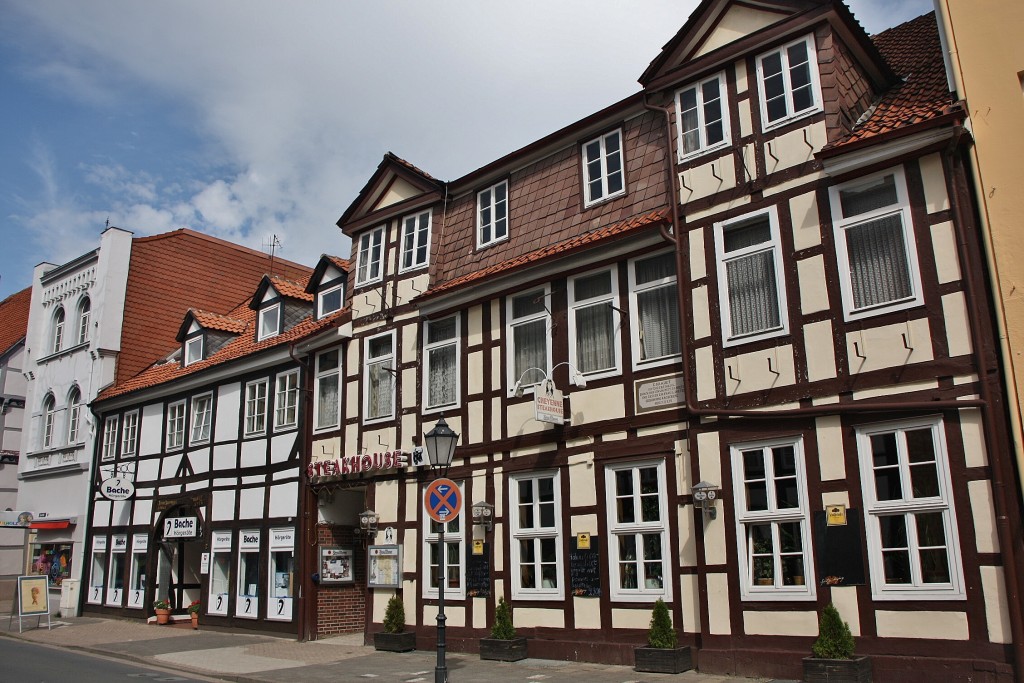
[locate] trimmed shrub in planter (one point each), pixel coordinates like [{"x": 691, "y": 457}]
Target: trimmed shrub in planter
[
  {"x": 663, "y": 656},
  {"x": 394, "y": 637},
  {"x": 833, "y": 660},
  {"x": 503, "y": 645}
]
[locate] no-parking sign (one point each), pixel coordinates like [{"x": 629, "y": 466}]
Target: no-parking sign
[{"x": 443, "y": 500}]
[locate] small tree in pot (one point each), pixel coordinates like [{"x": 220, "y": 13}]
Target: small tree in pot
[
  {"x": 833, "y": 660},
  {"x": 663, "y": 654},
  {"x": 503, "y": 645},
  {"x": 394, "y": 637}
]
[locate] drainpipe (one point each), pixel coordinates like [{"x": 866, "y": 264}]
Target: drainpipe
[{"x": 307, "y": 606}]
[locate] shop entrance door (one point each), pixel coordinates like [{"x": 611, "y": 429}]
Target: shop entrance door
[{"x": 178, "y": 570}]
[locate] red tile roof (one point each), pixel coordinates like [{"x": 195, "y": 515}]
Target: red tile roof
[
  {"x": 243, "y": 345},
  {"x": 913, "y": 50},
  {"x": 554, "y": 251},
  {"x": 215, "y": 321},
  {"x": 175, "y": 271},
  {"x": 14, "y": 319},
  {"x": 342, "y": 263},
  {"x": 290, "y": 288}
]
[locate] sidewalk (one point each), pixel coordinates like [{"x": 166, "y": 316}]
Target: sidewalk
[{"x": 248, "y": 658}]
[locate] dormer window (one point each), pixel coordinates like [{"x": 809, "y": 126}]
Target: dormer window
[
  {"x": 193, "y": 350},
  {"x": 492, "y": 215},
  {"x": 369, "y": 256},
  {"x": 788, "y": 81},
  {"x": 415, "y": 240},
  {"x": 602, "y": 168},
  {"x": 701, "y": 118},
  {"x": 270, "y": 322},
  {"x": 329, "y": 300}
]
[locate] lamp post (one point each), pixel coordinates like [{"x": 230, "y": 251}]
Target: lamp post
[{"x": 440, "y": 442}]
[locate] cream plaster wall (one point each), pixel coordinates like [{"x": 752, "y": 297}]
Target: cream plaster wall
[
  {"x": 803, "y": 211},
  {"x": 819, "y": 351},
  {"x": 690, "y": 599},
  {"x": 983, "y": 515},
  {"x": 586, "y": 613},
  {"x": 739, "y": 67},
  {"x": 780, "y": 623},
  {"x": 705, "y": 373},
  {"x": 813, "y": 287},
  {"x": 831, "y": 454},
  {"x": 746, "y": 124},
  {"x": 475, "y": 428},
  {"x": 583, "y": 492},
  {"x": 845, "y": 600},
  {"x": 737, "y": 22},
  {"x": 475, "y": 363},
  {"x": 718, "y": 604},
  {"x": 475, "y": 326},
  {"x": 895, "y": 389},
  {"x": 883, "y": 347},
  {"x": 596, "y": 405},
  {"x": 582, "y": 524},
  {"x": 531, "y": 617},
  {"x": 707, "y": 179},
  {"x": 698, "y": 264},
  {"x": 929, "y": 625},
  {"x": 411, "y": 288},
  {"x": 997, "y": 617},
  {"x": 701, "y": 313},
  {"x": 631, "y": 618},
  {"x": 944, "y": 250},
  {"x": 400, "y": 190},
  {"x": 455, "y": 614},
  {"x": 933, "y": 178},
  {"x": 975, "y": 454},
  {"x": 753, "y": 371},
  {"x": 958, "y": 330},
  {"x": 792, "y": 148}
]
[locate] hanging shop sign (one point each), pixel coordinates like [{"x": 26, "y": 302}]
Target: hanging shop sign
[
  {"x": 548, "y": 404},
  {"x": 117, "y": 489},
  {"x": 355, "y": 464},
  {"x": 181, "y": 527}
]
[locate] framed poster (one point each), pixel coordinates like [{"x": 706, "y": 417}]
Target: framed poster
[
  {"x": 33, "y": 598},
  {"x": 385, "y": 570},
  {"x": 336, "y": 565}
]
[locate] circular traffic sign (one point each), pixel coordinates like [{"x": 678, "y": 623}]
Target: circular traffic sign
[{"x": 442, "y": 500}]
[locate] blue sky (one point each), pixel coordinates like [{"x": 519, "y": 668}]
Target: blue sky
[{"x": 252, "y": 118}]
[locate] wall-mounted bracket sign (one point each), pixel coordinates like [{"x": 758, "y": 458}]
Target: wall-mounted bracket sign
[
  {"x": 117, "y": 489},
  {"x": 181, "y": 527}
]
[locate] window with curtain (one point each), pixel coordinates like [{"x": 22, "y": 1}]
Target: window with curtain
[
  {"x": 74, "y": 415},
  {"x": 369, "y": 256},
  {"x": 788, "y": 82},
  {"x": 441, "y": 354},
  {"x": 379, "y": 380},
  {"x": 750, "y": 291},
  {"x": 286, "y": 400},
  {"x": 326, "y": 397},
  {"x": 536, "y": 536},
  {"x": 913, "y": 549},
  {"x": 492, "y": 214},
  {"x": 415, "y": 240},
  {"x": 130, "y": 433},
  {"x": 602, "y": 168},
  {"x": 874, "y": 242},
  {"x": 594, "y": 323},
  {"x": 701, "y": 116},
  {"x": 529, "y": 321},
  {"x": 773, "y": 523},
  {"x": 654, "y": 309},
  {"x": 84, "y": 310},
  {"x": 256, "y": 407},
  {"x": 639, "y": 566}
]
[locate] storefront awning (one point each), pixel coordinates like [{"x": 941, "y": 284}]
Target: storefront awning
[{"x": 52, "y": 523}]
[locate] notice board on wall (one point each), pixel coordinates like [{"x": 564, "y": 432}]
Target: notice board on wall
[
  {"x": 585, "y": 572},
  {"x": 839, "y": 550},
  {"x": 478, "y": 573}
]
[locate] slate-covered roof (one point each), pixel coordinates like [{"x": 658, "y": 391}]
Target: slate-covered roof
[
  {"x": 14, "y": 319},
  {"x": 182, "y": 269},
  {"x": 913, "y": 50}
]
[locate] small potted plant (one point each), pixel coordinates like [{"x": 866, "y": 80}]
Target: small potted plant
[
  {"x": 162, "y": 609},
  {"x": 662, "y": 654},
  {"x": 833, "y": 660},
  {"x": 394, "y": 637},
  {"x": 193, "y": 612},
  {"x": 503, "y": 645}
]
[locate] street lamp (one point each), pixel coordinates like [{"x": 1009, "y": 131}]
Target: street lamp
[{"x": 440, "y": 442}]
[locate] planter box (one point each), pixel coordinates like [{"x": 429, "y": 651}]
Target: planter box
[
  {"x": 395, "y": 642},
  {"x": 503, "y": 650},
  {"x": 856, "y": 670},
  {"x": 663, "y": 661}
]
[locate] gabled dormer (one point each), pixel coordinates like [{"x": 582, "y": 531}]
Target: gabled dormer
[
  {"x": 391, "y": 222},
  {"x": 203, "y": 334},
  {"x": 279, "y": 304},
  {"x": 327, "y": 284}
]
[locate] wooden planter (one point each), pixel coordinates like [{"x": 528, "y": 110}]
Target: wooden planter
[
  {"x": 856, "y": 670},
  {"x": 395, "y": 642},
  {"x": 662, "y": 660},
  {"x": 503, "y": 650},
  {"x": 163, "y": 616}
]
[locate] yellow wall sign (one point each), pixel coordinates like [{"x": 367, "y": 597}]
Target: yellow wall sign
[
  {"x": 478, "y": 546},
  {"x": 835, "y": 515},
  {"x": 583, "y": 541}
]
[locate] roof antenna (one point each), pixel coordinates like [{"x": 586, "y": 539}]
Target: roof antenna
[
  {"x": 272, "y": 245},
  {"x": 108, "y": 221}
]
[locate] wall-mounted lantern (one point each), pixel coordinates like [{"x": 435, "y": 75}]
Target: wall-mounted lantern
[
  {"x": 483, "y": 515},
  {"x": 368, "y": 524},
  {"x": 705, "y": 498}
]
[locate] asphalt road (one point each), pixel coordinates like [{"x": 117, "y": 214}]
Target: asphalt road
[{"x": 29, "y": 663}]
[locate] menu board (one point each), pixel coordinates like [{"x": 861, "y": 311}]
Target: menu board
[
  {"x": 839, "y": 555},
  {"x": 585, "y": 573},
  {"x": 478, "y": 574}
]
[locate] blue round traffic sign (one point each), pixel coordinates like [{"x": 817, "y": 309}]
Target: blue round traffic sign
[{"x": 442, "y": 500}]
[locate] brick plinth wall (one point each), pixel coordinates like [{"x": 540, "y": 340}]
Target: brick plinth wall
[{"x": 342, "y": 608}]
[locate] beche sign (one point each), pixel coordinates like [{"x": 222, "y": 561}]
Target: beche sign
[
  {"x": 117, "y": 489},
  {"x": 181, "y": 527}
]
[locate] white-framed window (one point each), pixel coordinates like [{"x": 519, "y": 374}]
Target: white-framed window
[
  {"x": 74, "y": 415},
  {"x": 175, "y": 425},
  {"x": 57, "y": 331},
  {"x": 529, "y": 343},
  {"x": 639, "y": 567},
  {"x": 270, "y": 322},
  {"x": 109, "y": 438},
  {"x": 772, "y": 521},
  {"x": 220, "y": 573},
  {"x": 536, "y": 528},
  {"x": 787, "y": 79},
  {"x": 654, "y": 310},
  {"x": 256, "y": 407},
  {"x": 97, "y": 571},
  {"x": 874, "y": 236},
  {"x": 286, "y": 402},
  {"x": 702, "y": 118},
  {"x": 281, "y": 584},
  {"x": 202, "y": 418},
  {"x": 594, "y": 323},
  {"x": 492, "y": 215},
  {"x": 327, "y": 391},
  {"x": 751, "y": 290},
  {"x": 369, "y": 256},
  {"x": 415, "y": 240},
  {"x": 379, "y": 377},
  {"x": 248, "y": 593},
  {"x": 330, "y": 300},
  {"x": 49, "y": 415},
  {"x": 137, "y": 571},
  {"x": 193, "y": 350},
  {"x": 441, "y": 358},
  {"x": 913, "y": 548},
  {"x": 454, "y": 557},
  {"x": 84, "y": 311},
  {"x": 603, "y": 168},
  {"x": 130, "y": 433},
  {"x": 118, "y": 564}
]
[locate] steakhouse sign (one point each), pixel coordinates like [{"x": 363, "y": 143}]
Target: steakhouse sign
[{"x": 355, "y": 464}]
